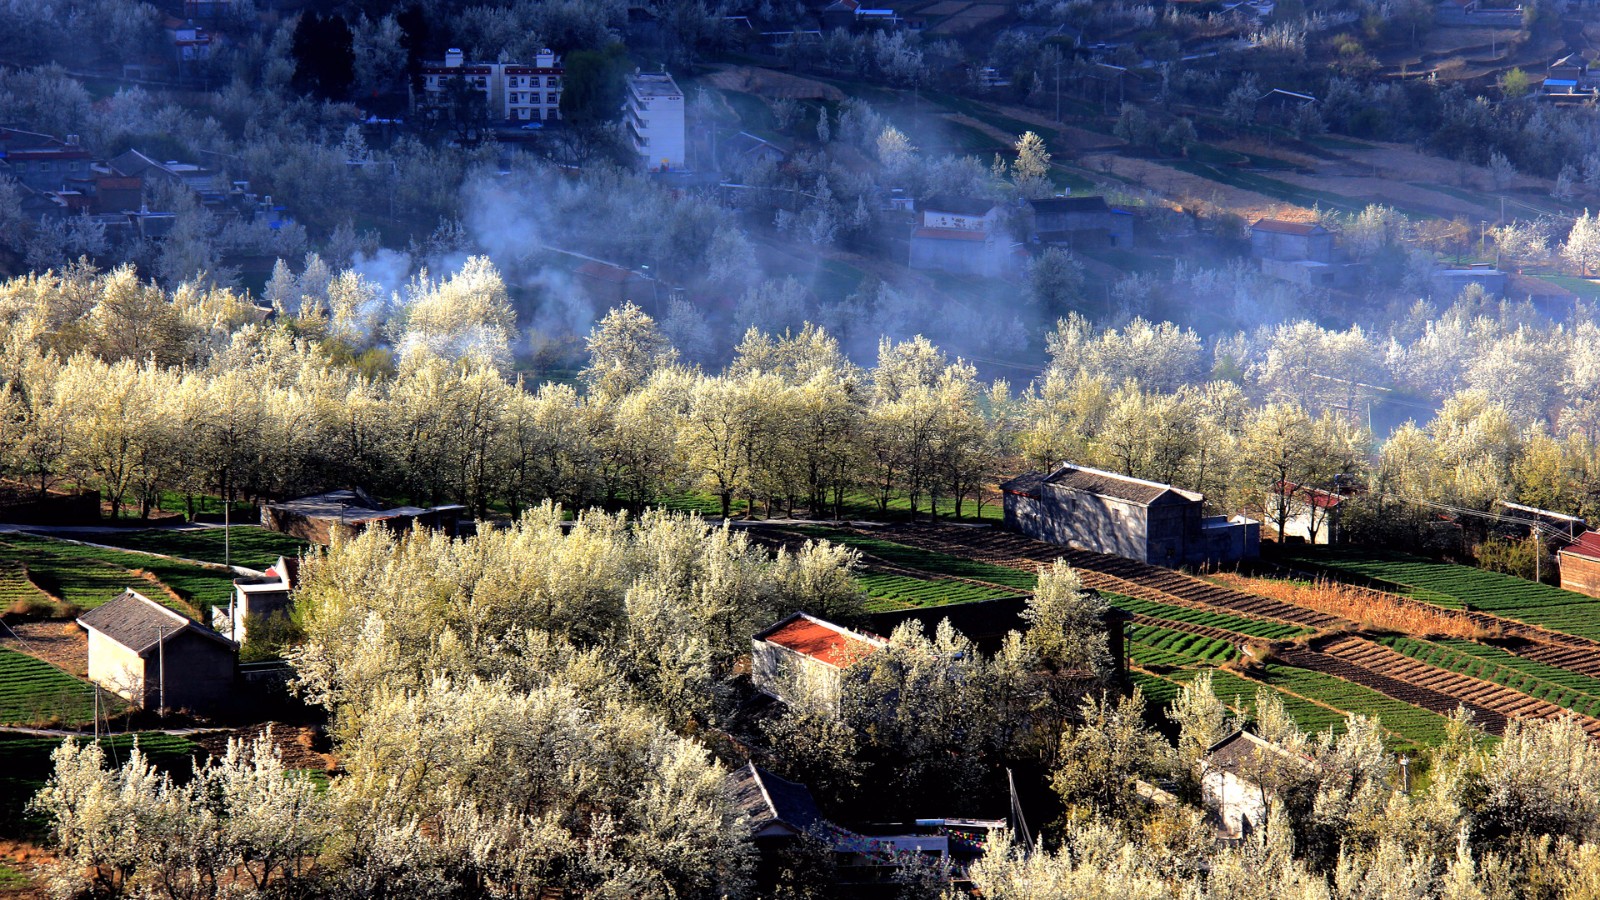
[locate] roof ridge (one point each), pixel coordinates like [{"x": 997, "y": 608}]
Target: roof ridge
[{"x": 762, "y": 784}]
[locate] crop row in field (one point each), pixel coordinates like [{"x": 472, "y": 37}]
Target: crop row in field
[
  {"x": 1190, "y": 648},
  {"x": 1587, "y": 684},
  {"x": 33, "y": 692},
  {"x": 89, "y": 576},
  {"x": 1491, "y": 592},
  {"x": 1510, "y": 673},
  {"x": 907, "y": 591},
  {"x": 246, "y": 545},
  {"x": 1411, "y": 723},
  {"x": 1189, "y": 616},
  {"x": 926, "y": 560}
]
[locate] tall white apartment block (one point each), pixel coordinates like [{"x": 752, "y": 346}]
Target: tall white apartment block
[
  {"x": 513, "y": 91},
  {"x": 654, "y": 116}
]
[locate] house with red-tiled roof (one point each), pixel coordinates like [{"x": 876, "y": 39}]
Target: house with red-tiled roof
[
  {"x": 1282, "y": 240},
  {"x": 962, "y": 236},
  {"x": 1580, "y": 565},
  {"x": 803, "y": 657},
  {"x": 1314, "y": 514}
]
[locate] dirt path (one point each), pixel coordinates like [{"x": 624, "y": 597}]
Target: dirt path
[{"x": 61, "y": 644}]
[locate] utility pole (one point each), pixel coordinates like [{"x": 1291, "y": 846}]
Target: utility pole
[
  {"x": 161, "y": 653},
  {"x": 227, "y": 543}
]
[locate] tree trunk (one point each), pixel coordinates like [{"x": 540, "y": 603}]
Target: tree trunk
[{"x": 727, "y": 503}]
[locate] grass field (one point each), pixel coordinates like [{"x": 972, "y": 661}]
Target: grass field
[
  {"x": 89, "y": 576},
  {"x": 1449, "y": 584},
  {"x": 1583, "y": 287},
  {"x": 25, "y": 766},
  {"x": 1227, "y": 621},
  {"x": 33, "y": 692},
  {"x": 892, "y": 591},
  {"x": 1150, "y": 645},
  {"x": 252, "y": 545}
]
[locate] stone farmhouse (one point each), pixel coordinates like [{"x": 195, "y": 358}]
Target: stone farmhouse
[
  {"x": 1076, "y": 506},
  {"x": 156, "y": 658}
]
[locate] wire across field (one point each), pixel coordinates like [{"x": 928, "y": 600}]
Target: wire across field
[
  {"x": 33, "y": 692},
  {"x": 89, "y": 576},
  {"x": 888, "y": 590},
  {"x": 1189, "y": 616},
  {"x": 1448, "y": 584},
  {"x": 1569, "y": 690}
]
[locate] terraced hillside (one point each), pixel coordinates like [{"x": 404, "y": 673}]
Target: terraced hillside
[
  {"x": 1182, "y": 623},
  {"x": 89, "y": 576}
]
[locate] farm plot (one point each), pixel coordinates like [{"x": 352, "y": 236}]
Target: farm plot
[
  {"x": 1191, "y": 616},
  {"x": 1153, "y": 645},
  {"x": 89, "y": 576},
  {"x": 888, "y": 591},
  {"x": 1464, "y": 586},
  {"x": 924, "y": 560},
  {"x": 1103, "y": 572},
  {"x": 1239, "y": 694},
  {"x": 250, "y": 545},
  {"x": 35, "y": 693},
  {"x": 1569, "y": 690},
  {"x": 1414, "y": 724}
]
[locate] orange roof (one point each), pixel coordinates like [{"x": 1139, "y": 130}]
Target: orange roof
[{"x": 821, "y": 641}]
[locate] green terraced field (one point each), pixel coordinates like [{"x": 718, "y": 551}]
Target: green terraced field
[
  {"x": 1240, "y": 695},
  {"x": 33, "y": 692},
  {"x": 1150, "y": 645},
  {"x": 1242, "y": 624},
  {"x": 891, "y": 591},
  {"x": 1569, "y": 690},
  {"x": 25, "y": 766},
  {"x": 252, "y": 545},
  {"x": 15, "y": 586},
  {"x": 90, "y": 576},
  {"x": 926, "y": 560},
  {"x": 1413, "y": 724},
  {"x": 1448, "y": 584}
]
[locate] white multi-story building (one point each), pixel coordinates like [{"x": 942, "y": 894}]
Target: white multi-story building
[
  {"x": 514, "y": 91},
  {"x": 654, "y": 115}
]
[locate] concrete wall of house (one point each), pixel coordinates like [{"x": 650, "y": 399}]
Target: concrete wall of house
[
  {"x": 956, "y": 257},
  {"x": 115, "y": 667},
  {"x": 199, "y": 673},
  {"x": 256, "y": 605},
  {"x": 1173, "y": 531},
  {"x": 1580, "y": 574},
  {"x": 1238, "y": 805},
  {"x": 1077, "y": 519},
  {"x": 307, "y": 528},
  {"x": 1277, "y": 245},
  {"x": 790, "y": 676}
]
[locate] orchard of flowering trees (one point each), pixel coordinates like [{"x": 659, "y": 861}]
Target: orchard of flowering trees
[{"x": 115, "y": 384}]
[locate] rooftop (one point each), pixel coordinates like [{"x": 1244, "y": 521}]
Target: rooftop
[
  {"x": 961, "y": 206},
  {"x": 139, "y": 623},
  {"x": 650, "y": 85},
  {"x": 822, "y": 641},
  {"x": 951, "y": 234},
  {"x": 1111, "y": 484},
  {"x": 765, "y": 798}
]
